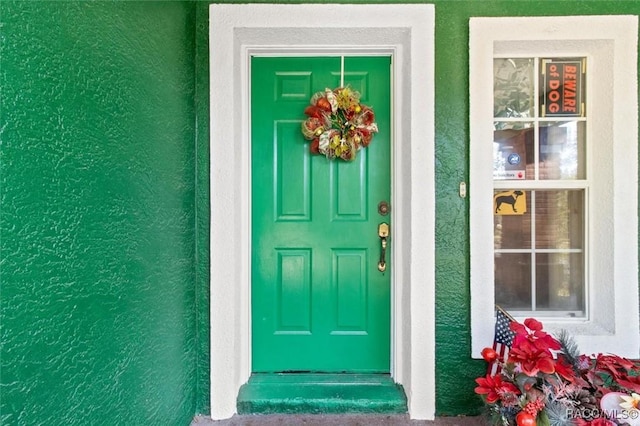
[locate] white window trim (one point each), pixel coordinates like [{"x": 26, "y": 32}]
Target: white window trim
[
  {"x": 406, "y": 31},
  {"x": 614, "y": 328}
]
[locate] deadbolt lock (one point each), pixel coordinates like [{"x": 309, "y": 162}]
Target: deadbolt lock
[{"x": 383, "y": 208}]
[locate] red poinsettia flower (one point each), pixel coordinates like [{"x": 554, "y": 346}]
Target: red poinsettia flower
[
  {"x": 532, "y": 360},
  {"x": 532, "y": 332},
  {"x": 615, "y": 365},
  {"x": 564, "y": 369},
  {"x": 494, "y": 388},
  {"x": 600, "y": 421},
  {"x": 631, "y": 382}
]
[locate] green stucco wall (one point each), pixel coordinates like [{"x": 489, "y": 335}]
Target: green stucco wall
[
  {"x": 455, "y": 371},
  {"x": 104, "y": 205},
  {"x": 97, "y": 213}
]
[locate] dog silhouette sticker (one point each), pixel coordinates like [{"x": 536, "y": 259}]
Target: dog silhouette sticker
[{"x": 510, "y": 202}]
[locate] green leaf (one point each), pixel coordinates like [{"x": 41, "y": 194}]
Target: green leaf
[{"x": 542, "y": 419}]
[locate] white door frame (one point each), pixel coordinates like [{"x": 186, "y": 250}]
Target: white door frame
[{"x": 406, "y": 32}]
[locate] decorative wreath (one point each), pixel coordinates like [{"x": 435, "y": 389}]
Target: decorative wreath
[{"x": 338, "y": 125}]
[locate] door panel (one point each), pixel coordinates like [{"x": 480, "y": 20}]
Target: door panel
[{"x": 319, "y": 302}]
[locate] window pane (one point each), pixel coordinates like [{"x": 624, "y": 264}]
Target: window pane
[
  {"x": 513, "y": 150},
  {"x": 562, "y": 152},
  {"x": 559, "y": 282},
  {"x": 513, "y": 231},
  {"x": 559, "y": 219},
  {"x": 513, "y": 87},
  {"x": 513, "y": 280}
]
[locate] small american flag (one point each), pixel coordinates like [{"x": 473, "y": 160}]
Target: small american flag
[{"x": 502, "y": 341}]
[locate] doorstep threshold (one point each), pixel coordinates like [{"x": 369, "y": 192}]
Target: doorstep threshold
[{"x": 315, "y": 393}]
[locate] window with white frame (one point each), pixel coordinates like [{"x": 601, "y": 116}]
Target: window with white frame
[
  {"x": 540, "y": 185},
  {"x": 553, "y": 177}
]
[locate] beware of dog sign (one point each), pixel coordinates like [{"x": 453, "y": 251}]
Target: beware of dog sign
[
  {"x": 510, "y": 202},
  {"x": 563, "y": 85}
]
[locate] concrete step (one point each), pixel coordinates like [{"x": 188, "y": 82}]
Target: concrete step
[
  {"x": 337, "y": 420},
  {"x": 321, "y": 393}
]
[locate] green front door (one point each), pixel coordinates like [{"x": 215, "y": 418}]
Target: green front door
[{"x": 319, "y": 302}]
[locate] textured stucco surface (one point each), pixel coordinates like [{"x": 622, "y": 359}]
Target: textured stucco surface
[
  {"x": 103, "y": 314},
  {"x": 203, "y": 382},
  {"x": 455, "y": 370},
  {"x": 97, "y": 219}
]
